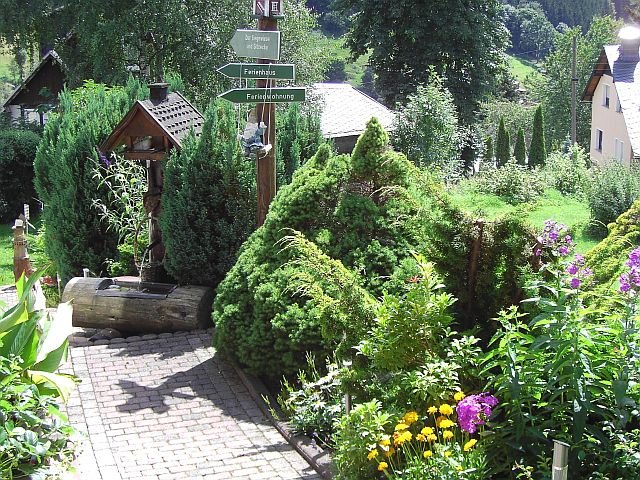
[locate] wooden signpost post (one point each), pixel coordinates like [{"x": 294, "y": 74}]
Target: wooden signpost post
[{"x": 263, "y": 44}]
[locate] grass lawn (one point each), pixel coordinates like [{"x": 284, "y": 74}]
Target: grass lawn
[
  {"x": 552, "y": 205},
  {"x": 521, "y": 69},
  {"x": 6, "y": 255}
]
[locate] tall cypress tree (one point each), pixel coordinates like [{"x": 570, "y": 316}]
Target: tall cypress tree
[
  {"x": 503, "y": 145},
  {"x": 537, "y": 149},
  {"x": 520, "y": 149}
]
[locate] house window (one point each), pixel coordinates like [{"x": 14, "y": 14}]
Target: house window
[
  {"x": 618, "y": 106},
  {"x": 599, "y": 138},
  {"x": 606, "y": 98},
  {"x": 619, "y": 149}
]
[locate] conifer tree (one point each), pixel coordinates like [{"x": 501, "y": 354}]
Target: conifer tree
[
  {"x": 520, "y": 149},
  {"x": 503, "y": 145},
  {"x": 537, "y": 149},
  {"x": 488, "y": 150}
]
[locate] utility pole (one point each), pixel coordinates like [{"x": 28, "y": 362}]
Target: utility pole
[
  {"x": 266, "y": 165},
  {"x": 574, "y": 86}
]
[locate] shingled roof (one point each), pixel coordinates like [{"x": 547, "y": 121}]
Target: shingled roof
[
  {"x": 172, "y": 117},
  {"x": 346, "y": 110},
  {"x": 626, "y": 77}
]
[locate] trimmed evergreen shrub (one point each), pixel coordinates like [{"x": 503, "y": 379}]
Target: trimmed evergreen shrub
[
  {"x": 613, "y": 189},
  {"x": 503, "y": 145},
  {"x": 64, "y": 175},
  {"x": 208, "y": 201},
  {"x": 607, "y": 259},
  {"x": 537, "y": 148},
  {"x": 299, "y": 137},
  {"x": 17, "y": 151},
  {"x": 488, "y": 151},
  {"x": 367, "y": 212},
  {"x": 520, "y": 150}
]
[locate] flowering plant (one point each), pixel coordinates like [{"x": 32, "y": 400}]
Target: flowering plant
[{"x": 440, "y": 444}]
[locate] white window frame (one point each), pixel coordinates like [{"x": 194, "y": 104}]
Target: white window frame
[
  {"x": 606, "y": 96},
  {"x": 618, "y": 151},
  {"x": 599, "y": 140},
  {"x": 618, "y": 105}
]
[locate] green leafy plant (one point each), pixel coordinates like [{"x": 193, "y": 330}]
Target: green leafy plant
[
  {"x": 567, "y": 172},
  {"x": 513, "y": 182}
]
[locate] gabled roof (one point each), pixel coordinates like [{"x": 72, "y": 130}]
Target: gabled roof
[
  {"x": 626, "y": 77},
  {"x": 33, "y": 83},
  {"x": 172, "y": 117},
  {"x": 346, "y": 111}
]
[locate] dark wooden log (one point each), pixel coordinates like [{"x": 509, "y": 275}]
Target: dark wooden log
[{"x": 105, "y": 303}]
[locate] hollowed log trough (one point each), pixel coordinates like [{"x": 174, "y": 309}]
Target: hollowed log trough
[{"x": 138, "y": 307}]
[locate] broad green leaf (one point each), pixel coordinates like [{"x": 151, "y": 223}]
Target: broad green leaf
[
  {"x": 53, "y": 359},
  {"x": 58, "y": 331},
  {"x": 63, "y": 384}
]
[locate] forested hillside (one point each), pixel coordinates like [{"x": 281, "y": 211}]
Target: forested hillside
[{"x": 571, "y": 12}]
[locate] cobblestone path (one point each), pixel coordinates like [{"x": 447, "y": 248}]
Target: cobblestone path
[{"x": 164, "y": 407}]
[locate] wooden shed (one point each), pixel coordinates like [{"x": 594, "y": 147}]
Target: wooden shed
[{"x": 39, "y": 92}]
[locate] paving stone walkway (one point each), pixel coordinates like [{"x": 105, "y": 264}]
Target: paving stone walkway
[{"x": 165, "y": 407}]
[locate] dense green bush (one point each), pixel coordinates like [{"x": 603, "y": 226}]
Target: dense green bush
[
  {"x": 299, "y": 137},
  {"x": 208, "y": 202},
  {"x": 76, "y": 237},
  {"x": 613, "y": 189},
  {"x": 513, "y": 182},
  {"x": 17, "y": 151},
  {"x": 368, "y": 212},
  {"x": 426, "y": 129},
  {"x": 567, "y": 172}
]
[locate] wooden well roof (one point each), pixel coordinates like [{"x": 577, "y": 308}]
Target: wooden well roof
[{"x": 172, "y": 118}]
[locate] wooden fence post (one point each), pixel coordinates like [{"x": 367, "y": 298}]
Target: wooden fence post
[{"x": 21, "y": 262}]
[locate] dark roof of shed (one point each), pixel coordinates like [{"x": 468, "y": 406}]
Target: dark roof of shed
[
  {"x": 51, "y": 57},
  {"x": 175, "y": 116},
  {"x": 626, "y": 77}
]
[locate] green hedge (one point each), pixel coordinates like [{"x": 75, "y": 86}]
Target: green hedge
[{"x": 17, "y": 151}]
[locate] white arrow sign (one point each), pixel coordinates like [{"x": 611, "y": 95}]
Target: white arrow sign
[{"x": 257, "y": 44}]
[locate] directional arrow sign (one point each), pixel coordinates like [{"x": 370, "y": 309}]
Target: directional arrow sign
[
  {"x": 277, "y": 71},
  {"x": 257, "y": 44},
  {"x": 262, "y": 95}
]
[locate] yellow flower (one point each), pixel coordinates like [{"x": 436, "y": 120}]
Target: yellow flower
[
  {"x": 458, "y": 396},
  {"x": 382, "y": 466},
  {"x": 447, "y": 453},
  {"x": 432, "y": 410},
  {"x": 385, "y": 442},
  {"x": 427, "y": 454},
  {"x": 439, "y": 420},
  {"x": 372, "y": 454},
  {"x": 426, "y": 431},
  {"x": 389, "y": 452},
  {"x": 401, "y": 437},
  {"x": 458, "y": 468},
  {"x": 470, "y": 444},
  {"x": 410, "y": 417},
  {"x": 446, "y": 423},
  {"x": 432, "y": 438},
  {"x": 401, "y": 426},
  {"x": 447, "y": 434},
  {"x": 421, "y": 438},
  {"x": 445, "y": 409}
]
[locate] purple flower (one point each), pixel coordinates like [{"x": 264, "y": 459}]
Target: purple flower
[
  {"x": 538, "y": 252},
  {"x": 104, "y": 159},
  {"x": 474, "y": 410},
  {"x": 579, "y": 259},
  {"x": 630, "y": 280},
  {"x": 563, "y": 250},
  {"x": 575, "y": 282},
  {"x": 572, "y": 269}
]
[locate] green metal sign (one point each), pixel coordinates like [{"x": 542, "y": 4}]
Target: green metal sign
[
  {"x": 265, "y": 95},
  {"x": 277, "y": 71},
  {"x": 257, "y": 44}
]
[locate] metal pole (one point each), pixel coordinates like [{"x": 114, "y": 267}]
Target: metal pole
[
  {"x": 560, "y": 466},
  {"x": 266, "y": 166},
  {"x": 574, "y": 87}
]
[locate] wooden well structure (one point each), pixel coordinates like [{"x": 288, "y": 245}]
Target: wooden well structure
[
  {"x": 150, "y": 130},
  {"x": 148, "y": 133}
]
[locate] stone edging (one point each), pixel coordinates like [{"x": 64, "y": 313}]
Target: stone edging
[
  {"x": 316, "y": 457},
  {"x": 76, "y": 340}
]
